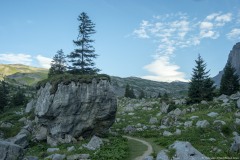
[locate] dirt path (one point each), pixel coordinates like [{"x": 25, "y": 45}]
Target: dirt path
[{"x": 147, "y": 152}]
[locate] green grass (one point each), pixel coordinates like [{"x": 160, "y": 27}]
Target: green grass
[{"x": 136, "y": 149}]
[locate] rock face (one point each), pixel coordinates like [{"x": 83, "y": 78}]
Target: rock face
[
  {"x": 76, "y": 109},
  {"x": 10, "y": 151},
  {"x": 234, "y": 58}
]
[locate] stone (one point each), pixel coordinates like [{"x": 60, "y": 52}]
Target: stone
[
  {"x": 188, "y": 124},
  {"x": 212, "y": 114},
  {"x": 52, "y": 149},
  {"x": 194, "y": 117},
  {"x": 167, "y": 133},
  {"x": 148, "y": 158},
  {"x": 129, "y": 129},
  {"x": 236, "y": 144},
  {"x": 6, "y": 125},
  {"x": 76, "y": 108},
  {"x": 23, "y": 119},
  {"x": 184, "y": 150},
  {"x": 219, "y": 121},
  {"x": 162, "y": 155},
  {"x": 70, "y": 149},
  {"x": 56, "y": 157},
  {"x": 52, "y": 141},
  {"x": 237, "y": 121},
  {"x": 31, "y": 158},
  {"x": 235, "y": 96},
  {"x": 10, "y": 151},
  {"x": 153, "y": 120},
  {"x": 238, "y": 103},
  {"x": 204, "y": 102},
  {"x": 202, "y": 124},
  {"x": 235, "y": 133},
  {"x": 164, "y": 107},
  {"x": 177, "y": 112},
  {"x": 237, "y": 113},
  {"x": 178, "y": 132},
  {"x": 95, "y": 143},
  {"x": 20, "y": 139},
  {"x": 78, "y": 156},
  {"x": 41, "y": 134}
]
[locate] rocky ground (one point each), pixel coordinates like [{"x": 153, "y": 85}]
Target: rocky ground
[{"x": 206, "y": 130}]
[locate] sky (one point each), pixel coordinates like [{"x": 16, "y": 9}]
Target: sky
[{"x": 152, "y": 39}]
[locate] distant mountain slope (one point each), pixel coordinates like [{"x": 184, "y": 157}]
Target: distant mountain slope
[
  {"x": 234, "y": 58},
  {"x": 22, "y": 74},
  {"x": 150, "y": 88}
]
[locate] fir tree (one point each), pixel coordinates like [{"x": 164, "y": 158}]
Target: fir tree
[
  {"x": 201, "y": 86},
  {"x": 58, "y": 65},
  {"x": 3, "y": 95},
  {"x": 159, "y": 95},
  {"x": 18, "y": 98},
  {"x": 81, "y": 59},
  {"x": 129, "y": 92},
  {"x": 141, "y": 95},
  {"x": 230, "y": 80}
]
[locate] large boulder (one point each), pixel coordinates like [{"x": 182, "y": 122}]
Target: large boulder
[
  {"x": 236, "y": 144},
  {"x": 184, "y": 150},
  {"x": 10, "y": 151},
  {"x": 74, "y": 108}
]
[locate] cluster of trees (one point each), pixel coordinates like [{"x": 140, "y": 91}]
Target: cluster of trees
[
  {"x": 11, "y": 96},
  {"x": 80, "y": 61},
  {"x": 201, "y": 86}
]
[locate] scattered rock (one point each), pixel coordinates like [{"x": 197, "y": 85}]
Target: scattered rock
[
  {"x": 177, "y": 112},
  {"x": 95, "y": 143},
  {"x": 30, "y": 158},
  {"x": 30, "y": 106},
  {"x": 164, "y": 107},
  {"x": 188, "y": 124},
  {"x": 237, "y": 113},
  {"x": 6, "y": 125},
  {"x": 236, "y": 144},
  {"x": 20, "y": 139},
  {"x": 204, "y": 102},
  {"x": 129, "y": 129},
  {"x": 78, "y": 156},
  {"x": 237, "y": 121},
  {"x": 202, "y": 124},
  {"x": 70, "y": 149},
  {"x": 10, "y": 151},
  {"x": 131, "y": 114},
  {"x": 153, "y": 120},
  {"x": 148, "y": 158},
  {"x": 52, "y": 149},
  {"x": 41, "y": 134},
  {"x": 184, "y": 150},
  {"x": 212, "y": 114},
  {"x": 178, "y": 132},
  {"x": 22, "y": 119},
  {"x": 162, "y": 155},
  {"x": 235, "y": 96},
  {"x": 238, "y": 103},
  {"x": 167, "y": 133},
  {"x": 52, "y": 141},
  {"x": 194, "y": 117}
]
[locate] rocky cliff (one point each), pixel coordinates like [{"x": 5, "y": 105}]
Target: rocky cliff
[
  {"x": 75, "y": 109},
  {"x": 234, "y": 58}
]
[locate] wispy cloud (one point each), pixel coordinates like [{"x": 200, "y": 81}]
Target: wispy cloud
[
  {"x": 176, "y": 31},
  {"x": 12, "y": 58},
  {"x": 234, "y": 34},
  {"x": 44, "y": 61}
]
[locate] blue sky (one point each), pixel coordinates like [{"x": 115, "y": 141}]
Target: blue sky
[{"x": 157, "y": 39}]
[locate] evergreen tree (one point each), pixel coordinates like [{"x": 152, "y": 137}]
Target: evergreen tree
[
  {"x": 201, "y": 86},
  {"x": 3, "y": 95},
  {"x": 165, "y": 97},
  {"x": 230, "y": 80},
  {"x": 159, "y": 95},
  {"x": 129, "y": 92},
  {"x": 82, "y": 57},
  {"x": 18, "y": 98},
  {"x": 141, "y": 95},
  {"x": 58, "y": 65}
]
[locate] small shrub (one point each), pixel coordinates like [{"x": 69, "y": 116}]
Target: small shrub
[{"x": 226, "y": 130}]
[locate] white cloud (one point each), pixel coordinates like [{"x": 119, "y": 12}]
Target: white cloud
[
  {"x": 12, "y": 58},
  {"x": 234, "y": 34},
  {"x": 163, "y": 70},
  {"x": 44, "y": 61},
  {"x": 212, "y": 16},
  {"x": 223, "y": 19},
  {"x": 141, "y": 32},
  {"x": 206, "y": 25}
]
